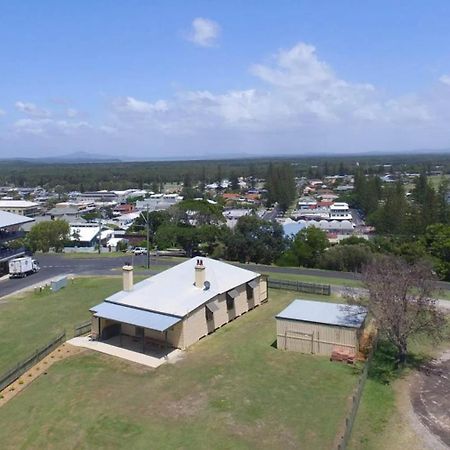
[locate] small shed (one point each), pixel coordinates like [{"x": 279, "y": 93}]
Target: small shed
[{"x": 319, "y": 327}]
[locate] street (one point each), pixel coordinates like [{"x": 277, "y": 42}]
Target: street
[{"x": 53, "y": 265}]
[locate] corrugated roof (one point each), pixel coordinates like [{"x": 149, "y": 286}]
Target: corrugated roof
[
  {"x": 17, "y": 204},
  {"x": 173, "y": 291},
  {"x": 133, "y": 316},
  {"x": 8, "y": 219},
  {"x": 343, "y": 315}
]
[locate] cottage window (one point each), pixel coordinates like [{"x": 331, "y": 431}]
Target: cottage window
[
  {"x": 208, "y": 314},
  {"x": 249, "y": 292},
  {"x": 230, "y": 302}
]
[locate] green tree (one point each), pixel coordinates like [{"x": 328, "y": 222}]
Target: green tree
[
  {"x": 442, "y": 204},
  {"x": 306, "y": 248},
  {"x": 201, "y": 211},
  {"x": 437, "y": 243},
  {"x": 280, "y": 185},
  {"x": 255, "y": 240},
  {"x": 348, "y": 258},
  {"x": 426, "y": 204},
  {"x": 234, "y": 182},
  {"x": 48, "y": 235},
  {"x": 393, "y": 216}
]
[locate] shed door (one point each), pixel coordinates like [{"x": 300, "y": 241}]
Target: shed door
[{"x": 299, "y": 341}]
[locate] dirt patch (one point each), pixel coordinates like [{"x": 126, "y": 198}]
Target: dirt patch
[
  {"x": 188, "y": 406},
  {"x": 430, "y": 397},
  {"x": 62, "y": 352}
]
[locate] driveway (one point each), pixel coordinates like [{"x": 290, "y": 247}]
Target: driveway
[{"x": 430, "y": 397}]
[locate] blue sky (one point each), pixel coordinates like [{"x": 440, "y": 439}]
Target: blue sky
[{"x": 205, "y": 78}]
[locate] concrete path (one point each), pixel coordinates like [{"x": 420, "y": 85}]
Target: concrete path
[{"x": 139, "y": 358}]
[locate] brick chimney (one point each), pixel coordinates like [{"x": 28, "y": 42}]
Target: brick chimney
[
  {"x": 200, "y": 275},
  {"x": 127, "y": 277}
]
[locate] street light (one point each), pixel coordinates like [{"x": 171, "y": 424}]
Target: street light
[{"x": 147, "y": 225}]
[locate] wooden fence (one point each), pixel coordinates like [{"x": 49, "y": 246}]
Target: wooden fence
[
  {"x": 13, "y": 374},
  {"x": 299, "y": 286},
  {"x": 344, "y": 438},
  {"x": 82, "y": 328}
]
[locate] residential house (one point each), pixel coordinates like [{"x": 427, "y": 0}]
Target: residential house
[{"x": 179, "y": 306}]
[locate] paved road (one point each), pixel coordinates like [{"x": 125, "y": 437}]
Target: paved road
[
  {"x": 271, "y": 215},
  {"x": 55, "y": 265}
]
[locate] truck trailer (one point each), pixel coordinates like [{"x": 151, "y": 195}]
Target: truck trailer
[{"x": 21, "y": 267}]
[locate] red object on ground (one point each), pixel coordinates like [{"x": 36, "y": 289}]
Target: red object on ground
[{"x": 343, "y": 355}]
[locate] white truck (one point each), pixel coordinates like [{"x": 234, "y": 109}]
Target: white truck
[{"x": 21, "y": 267}]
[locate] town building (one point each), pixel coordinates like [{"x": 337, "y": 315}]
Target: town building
[
  {"x": 158, "y": 202},
  {"x": 179, "y": 306},
  {"x": 83, "y": 237},
  {"x": 20, "y": 207},
  {"x": 10, "y": 231}
]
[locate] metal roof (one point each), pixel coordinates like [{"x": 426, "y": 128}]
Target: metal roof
[
  {"x": 342, "y": 315},
  {"x": 133, "y": 316},
  {"x": 8, "y": 219},
  {"x": 17, "y": 204},
  {"x": 173, "y": 291}
]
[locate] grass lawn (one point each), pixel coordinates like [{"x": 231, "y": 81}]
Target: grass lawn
[
  {"x": 232, "y": 390},
  {"x": 314, "y": 279},
  {"x": 29, "y": 321}
]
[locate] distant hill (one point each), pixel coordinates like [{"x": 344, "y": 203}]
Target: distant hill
[{"x": 70, "y": 158}]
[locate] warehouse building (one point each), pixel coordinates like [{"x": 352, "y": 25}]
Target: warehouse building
[
  {"x": 20, "y": 207},
  {"x": 179, "y": 306},
  {"x": 319, "y": 327}
]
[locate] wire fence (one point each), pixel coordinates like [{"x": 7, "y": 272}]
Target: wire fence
[
  {"x": 13, "y": 374},
  {"x": 344, "y": 438},
  {"x": 299, "y": 286}
]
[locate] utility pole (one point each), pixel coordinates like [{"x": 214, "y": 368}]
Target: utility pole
[
  {"x": 148, "y": 240},
  {"x": 99, "y": 235}
]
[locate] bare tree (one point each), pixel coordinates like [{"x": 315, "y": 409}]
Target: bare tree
[{"x": 401, "y": 301}]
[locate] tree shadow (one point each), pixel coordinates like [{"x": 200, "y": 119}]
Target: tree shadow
[{"x": 384, "y": 368}]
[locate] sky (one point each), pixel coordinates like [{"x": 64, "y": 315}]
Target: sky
[{"x": 191, "y": 79}]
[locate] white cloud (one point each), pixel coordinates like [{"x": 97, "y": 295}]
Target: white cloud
[
  {"x": 2, "y": 112},
  {"x": 299, "y": 91},
  {"x": 445, "y": 79},
  {"x": 204, "y": 32},
  {"x": 297, "y": 102},
  {"x": 133, "y": 105},
  {"x": 71, "y": 113},
  {"x": 31, "y": 110},
  {"x": 48, "y": 126}
]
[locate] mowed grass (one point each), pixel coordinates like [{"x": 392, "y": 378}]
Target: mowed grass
[
  {"x": 314, "y": 279},
  {"x": 232, "y": 390},
  {"x": 28, "y": 321}
]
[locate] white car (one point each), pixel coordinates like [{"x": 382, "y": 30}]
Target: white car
[{"x": 139, "y": 251}]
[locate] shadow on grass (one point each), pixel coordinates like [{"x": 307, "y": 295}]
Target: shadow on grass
[
  {"x": 274, "y": 344},
  {"x": 383, "y": 368}
]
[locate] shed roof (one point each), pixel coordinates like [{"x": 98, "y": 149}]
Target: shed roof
[
  {"x": 8, "y": 219},
  {"x": 173, "y": 291},
  {"x": 343, "y": 315},
  {"x": 134, "y": 316}
]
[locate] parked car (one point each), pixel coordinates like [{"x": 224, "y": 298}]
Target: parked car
[{"x": 139, "y": 251}]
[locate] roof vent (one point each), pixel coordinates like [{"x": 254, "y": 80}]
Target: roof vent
[{"x": 207, "y": 285}]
